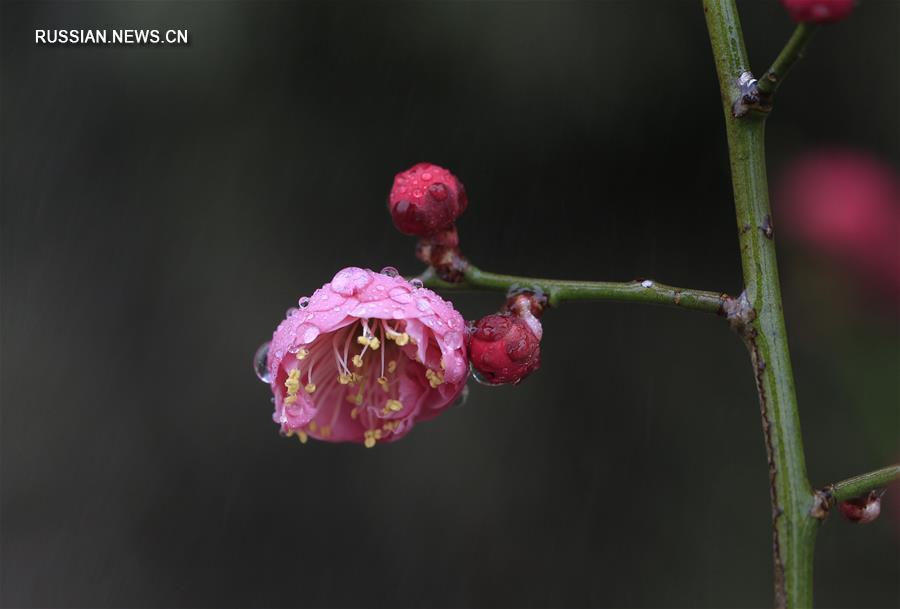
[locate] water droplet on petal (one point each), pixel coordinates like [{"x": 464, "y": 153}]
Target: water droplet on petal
[
  {"x": 400, "y": 294},
  {"x": 397, "y": 313},
  {"x": 307, "y": 333},
  {"x": 416, "y": 283},
  {"x": 390, "y": 271},
  {"x": 647, "y": 283},
  {"x": 259, "y": 364},
  {"x": 303, "y": 302},
  {"x": 290, "y": 311},
  {"x": 453, "y": 339},
  {"x": 423, "y": 305}
]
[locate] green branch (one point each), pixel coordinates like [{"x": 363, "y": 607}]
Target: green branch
[
  {"x": 760, "y": 320},
  {"x": 790, "y": 54},
  {"x": 858, "y": 486},
  {"x": 558, "y": 291}
]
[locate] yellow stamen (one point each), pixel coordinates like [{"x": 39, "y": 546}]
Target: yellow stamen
[
  {"x": 353, "y": 412},
  {"x": 394, "y": 405},
  {"x": 369, "y": 442},
  {"x": 301, "y": 435},
  {"x": 374, "y": 343},
  {"x": 401, "y": 339},
  {"x": 312, "y": 425},
  {"x": 292, "y": 383},
  {"x": 357, "y": 361},
  {"x": 434, "y": 378},
  {"x": 302, "y": 353},
  {"x": 343, "y": 379},
  {"x": 362, "y": 340},
  {"x": 392, "y": 366},
  {"x": 310, "y": 388},
  {"x": 290, "y": 399},
  {"x": 377, "y": 434}
]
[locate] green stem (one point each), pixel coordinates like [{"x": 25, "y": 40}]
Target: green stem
[
  {"x": 790, "y": 54},
  {"x": 761, "y": 322},
  {"x": 559, "y": 291},
  {"x": 858, "y": 486}
]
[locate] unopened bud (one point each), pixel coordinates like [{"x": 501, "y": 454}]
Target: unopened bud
[{"x": 863, "y": 509}]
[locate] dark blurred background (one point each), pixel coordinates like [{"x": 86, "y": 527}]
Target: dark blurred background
[{"x": 163, "y": 206}]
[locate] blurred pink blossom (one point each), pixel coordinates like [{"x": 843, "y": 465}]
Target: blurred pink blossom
[
  {"x": 364, "y": 359},
  {"x": 846, "y": 205}
]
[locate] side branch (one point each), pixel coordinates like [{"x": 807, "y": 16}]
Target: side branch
[
  {"x": 790, "y": 54},
  {"x": 858, "y": 486},
  {"x": 559, "y": 291}
]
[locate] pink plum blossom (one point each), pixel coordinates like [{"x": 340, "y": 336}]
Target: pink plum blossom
[
  {"x": 846, "y": 205},
  {"x": 365, "y": 358}
]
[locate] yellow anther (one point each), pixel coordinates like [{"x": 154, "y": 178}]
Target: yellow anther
[
  {"x": 301, "y": 435},
  {"x": 358, "y": 399},
  {"x": 394, "y": 405},
  {"x": 377, "y": 434},
  {"x": 292, "y": 383},
  {"x": 392, "y": 366},
  {"x": 369, "y": 442},
  {"x": 310, "y": 387},
  {"x": 443, "y": 364},
  {"x": 353, "y": 411},
  {"x": 290, "y": 399},
  {"x": 382, "y": 380},
  {"x": 362, "y": 340},
  {"x": 355, "y": 378},
  {"x": 325, "y": 431},
  {"x": 374, "y": 343},
  {"x": 357, "y": 361},
  {"x": 401, "y": 339},
  {"x": 434, "y": 378},
  {"x": 343, "y": 379},
  {"x": 312, "y": 425},
  {"x": 302, "y": 353}
]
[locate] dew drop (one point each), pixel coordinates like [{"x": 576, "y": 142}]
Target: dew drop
[
  {"x": 303, "y": 302},
  {"x": 647, "y": 283},
  {"x": 416, "y": 283},
  {"x": 310, "y": 334},
  {"x": 400, "y": 294},
  {"x": 390, "y": 271},
  {"x": 259, "y": 364},
  {"x": 290, "y": 311},
  {"x": 423, "y": 305},
  {"x": 453, "y": 339}
]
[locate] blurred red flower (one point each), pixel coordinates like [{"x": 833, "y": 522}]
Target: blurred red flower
[{"x": 846, "y": 205}]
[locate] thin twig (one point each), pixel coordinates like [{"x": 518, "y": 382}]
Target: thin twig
[{"x": 559, "y": 291}]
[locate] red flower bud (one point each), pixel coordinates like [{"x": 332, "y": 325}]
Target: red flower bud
[
  {"x": 863, "y": 509},
  {"x": 505, "y": 348},
  {"x": 426, "y": 199},
  {"x": 819, "y": 11}
]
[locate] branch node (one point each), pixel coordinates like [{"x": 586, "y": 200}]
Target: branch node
[
  {"x": 823, "y": 501},
  {"x": 739, "y": 313},
  {"x": 749, "y": 97}
]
